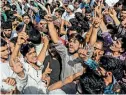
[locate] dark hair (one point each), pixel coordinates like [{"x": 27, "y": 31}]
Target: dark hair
[
  {"x": 113, "y": 65},
  {"x": 13, "y": 7},
  {"x": 58, "y": 3},
  {"x": 91, "y": 83},
  {"x": 7, "y": 25},
  {"x": 123, "y": 8},
  {"x": 19, "y": 27},
  {"x": 70, "y": 29},
  {"x": 78, "y": 37},
  {"x": 42, "y": 13},
  {"x": 59, "y": 11},
  {"x": 3, "y": 42},
  {"x": 74, "y": 22},
  {"x": 14, "y": 40},
  {"x": 25, "y": 48},
  {"x": 25, "y": 15},
  {"x": 88, "y": 10},
  {"x": 124, "y": 44},
  {"x": 34, "y": 34}
]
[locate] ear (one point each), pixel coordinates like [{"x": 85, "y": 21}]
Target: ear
[
  {"x": 102, "y": 52},
  {"x": 121, "y": 50},
  {"x": 109, "y": 73}
]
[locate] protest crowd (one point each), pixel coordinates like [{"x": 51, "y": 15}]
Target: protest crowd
[{"x": 63, "y": 47}]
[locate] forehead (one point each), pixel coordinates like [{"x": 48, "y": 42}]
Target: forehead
[
  {"x": 26, "y": 17},
  {"x": 32, "y": 50},
  {"x": 42, "y": 21},
  {"x": 3, "y": 48},
  {"x": 8, "y": 29}
]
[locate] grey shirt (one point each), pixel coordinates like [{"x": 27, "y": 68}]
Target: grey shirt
[{"x": 70, "y": 65}]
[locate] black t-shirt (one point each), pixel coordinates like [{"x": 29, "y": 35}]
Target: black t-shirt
[{"x": 56, "y": 69}]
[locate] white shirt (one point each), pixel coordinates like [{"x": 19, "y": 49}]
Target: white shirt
[
  {"x": 34, "y": 82},
  {"x": 5, "y": 72},
  {"x": 67, "y": 17}
]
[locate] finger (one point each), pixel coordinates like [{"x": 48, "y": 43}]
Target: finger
[
  {"x": 24, "y": 28},
  {"x": 49, "y": 11},
  {"x": 7, "y": 80},
  {"x": 48, "y": 65}
]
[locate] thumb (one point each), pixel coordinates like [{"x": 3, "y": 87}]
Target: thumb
[{"x": 48, "y": 65}]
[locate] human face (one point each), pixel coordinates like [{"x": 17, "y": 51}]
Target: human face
[
  {"x": 76, "y": 5},
  {"x": 88, "y": 16},
  {"x": 72, "y": 32},
  {"x": 4, "y": 52},
  {"x": 98, "y": 51},
  {"x": 31, "y": 56},
  {"x": 7, "y": 33},
  {"x": 83, "y": 53},
  {"x": 116, "y": 46},
  {"x": 124, "y": 23},
  {"x": 73, "y": 46},
  {"x": 57, "y": 15},
  {"x": 26, "y": 19},
  {"x": 42, "y": 25},
  {"x": 123, "y": 15}
]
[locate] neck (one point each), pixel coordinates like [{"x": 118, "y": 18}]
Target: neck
[
  {"x": 75, "y": 55},
  {"x": 116, "y": 54},
  {"x": 3, "y": 60},
  {"x": 108, "y": 80},
  {"x": 70, "y": 13}
]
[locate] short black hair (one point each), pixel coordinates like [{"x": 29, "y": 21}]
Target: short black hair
[
  {"x": 91, "y": 83},
  {"x": 25, "y": 48},
  {"x": 124, "y": 44},
  {"x": 3, "y": 42},
  {"x": 123, "y": 8},
  {"x": 7, "y": 25},
  {"x": 25, "y": 15},
  {"x": 19, "y": 28},
  {"x": 78, "y": 37},
  {"x": 113, "y": 65},
  {"x": 14, "y": 40},
  {"x": 34, "y": 34}
]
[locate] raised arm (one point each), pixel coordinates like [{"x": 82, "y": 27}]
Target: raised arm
[
  {"x": 22, "y": 37},
  {"x": 113, "y": 13},
  {"x": 52, "y": 30},
  {"x": 93, "y": 37},
  {"x": 42, "y": 55},
  {"x": 69, "y": 79}
]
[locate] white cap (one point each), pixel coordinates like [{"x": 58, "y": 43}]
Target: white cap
[{"x": 71, "y": 7}]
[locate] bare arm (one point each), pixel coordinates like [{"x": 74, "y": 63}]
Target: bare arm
[
  {"x": 93, "y": 37},
  {"x": 52, "y": 30},
  {"x": 42, "y": 55},
  {"x": 69, "y": 79}
]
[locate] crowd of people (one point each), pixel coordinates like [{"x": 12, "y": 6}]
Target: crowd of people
[{"x": 63, "y": 47}]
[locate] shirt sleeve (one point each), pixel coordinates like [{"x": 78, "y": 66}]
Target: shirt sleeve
[
  {"x": 61, "y": 49},
  {"x": 21, "y": 82},
  {"x": 107, "y": 39}
]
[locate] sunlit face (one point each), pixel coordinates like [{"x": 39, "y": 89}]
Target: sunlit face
[
  {"x": 4, "y": 52},
  {"x": 73, "y": 46},
  {"x": 57, "y": 15},
  {"x": 42, "y": 26},
  {"x": 116, "y": 46},
  {"x": 7, "y": 33},
  {"x": 76, "y": 5},
  {"x": 98, "y": 51},
  {"x": 26, "y": 19},
  {"x": 31, "y": 56},
  {"x": 123, "y": 23},
  {"x": 123, "y": 15},
  {"x": 83, "y": 53}
]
